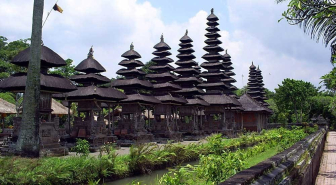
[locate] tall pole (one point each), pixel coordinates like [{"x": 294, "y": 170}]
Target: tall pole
[{"x": 28, "y": 143}]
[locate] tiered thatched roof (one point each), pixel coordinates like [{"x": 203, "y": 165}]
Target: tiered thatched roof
[
  {"x": 216, "y": 89},
  {"x": 134, "y": 83},
  {"x": 162, "y": 77}
]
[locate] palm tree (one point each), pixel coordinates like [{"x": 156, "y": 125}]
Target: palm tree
[
  {"x": 316, "y": 17},
  {"x": 28, "y": 140}
]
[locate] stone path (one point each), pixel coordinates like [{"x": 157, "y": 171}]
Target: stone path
[{"x": 327, "y": 172}]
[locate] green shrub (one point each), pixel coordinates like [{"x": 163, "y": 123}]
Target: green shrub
[{"x": 82, "y": 147}]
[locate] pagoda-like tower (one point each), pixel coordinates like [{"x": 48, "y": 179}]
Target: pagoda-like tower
[
  {"x": 164, "y": 88},
  {"x": 261, "y": 87},
  {"x": 90, "y": 97},
  {"x": 50, "y": 84},
  {"x": 216, "y": 90},
  {"x": 228, "y": 80},
  {"x": 253, "y": 88},
  {"x": 136, "y": 87},
  {"x": 188, "y": 80}
]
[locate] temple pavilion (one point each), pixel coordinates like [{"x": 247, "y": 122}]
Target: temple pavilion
[
  {"x": 188, "y": 70},
  {"x": 50, "y": 84},
  {"x": 166, "y": 113},
  {"x": 132, "y": 125},
  {"x": 255, "y": 115},
  {"x": 90, "y": 96},
  {"x": 217, "y": 91}
]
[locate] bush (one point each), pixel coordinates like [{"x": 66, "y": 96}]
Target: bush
[{"x": 82, "y": 147}]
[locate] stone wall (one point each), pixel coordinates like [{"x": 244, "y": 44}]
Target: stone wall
[{"x": 296, "y": 165}]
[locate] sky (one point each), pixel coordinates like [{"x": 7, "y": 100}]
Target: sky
[{"x": 249, "y": 28}]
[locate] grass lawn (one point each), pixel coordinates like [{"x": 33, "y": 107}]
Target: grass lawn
[{"x": 261, "y": 157}]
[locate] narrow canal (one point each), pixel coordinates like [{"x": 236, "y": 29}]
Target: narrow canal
[{"x": 151, "y": 179}]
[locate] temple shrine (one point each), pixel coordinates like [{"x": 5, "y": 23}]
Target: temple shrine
[{"x": 50, "y": 84}]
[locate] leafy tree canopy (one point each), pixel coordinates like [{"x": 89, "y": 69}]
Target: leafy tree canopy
[
  {"x": 65, "y": 71},
  {"x": 7, "y": 52},
  {"x": 294, "y": 95}
]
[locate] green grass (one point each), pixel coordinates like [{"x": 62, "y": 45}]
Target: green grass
[{"x": 261, "y": 157}]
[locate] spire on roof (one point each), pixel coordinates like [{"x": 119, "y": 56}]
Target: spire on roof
[
  {"x": 162, "y": 39},
  {"x": 212, "y": 10},
  {"x": 226, "y": 51},
  {"x": 132, "y": 46},
  {"x": 186, "y": 33},
  {"x": 90, "y": 54}
]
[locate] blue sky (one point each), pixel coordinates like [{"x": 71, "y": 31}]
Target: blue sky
[{"x": 249, "y": 28}]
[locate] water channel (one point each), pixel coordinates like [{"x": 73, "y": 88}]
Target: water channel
[{"x": 151, "y": 179}]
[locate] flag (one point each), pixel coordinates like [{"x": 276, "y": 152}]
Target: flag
[{"x": 57, "y": 8}]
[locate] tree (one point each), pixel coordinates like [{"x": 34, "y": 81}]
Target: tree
[
  {"x": 240, "y": 92},
  {"x": 7, "y": 52},
  {"x": 28, "y": 143},
  {"x": 146, "y": 67},
  {"x": 294, "y": 95},
  {"x": 65, "y": 71},
  {"x": 316, "y": 17},
  {"x": 329, "y": 80}
]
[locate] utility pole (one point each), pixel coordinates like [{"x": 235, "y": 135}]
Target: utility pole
[{"x": 28, "y": 143}]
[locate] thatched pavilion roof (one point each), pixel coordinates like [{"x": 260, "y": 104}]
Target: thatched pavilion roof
[{"x": 6, "y": 107}]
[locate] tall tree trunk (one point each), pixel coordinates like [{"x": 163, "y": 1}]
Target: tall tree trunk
[
  {"x": 296, "y": 114},
  {"x": 28, "y": 143}
]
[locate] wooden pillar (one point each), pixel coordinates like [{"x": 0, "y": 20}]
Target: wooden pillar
[
  {"x": 69, "y": 107},
  {"x": 109, "y": 117}
]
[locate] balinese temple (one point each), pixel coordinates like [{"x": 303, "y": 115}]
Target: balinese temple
[
  {"x": 253, "y": 88},
  {"x": 49, "y": 84},
  {"x": 255, "y": 115},
  {"x": 228, "y": 79},
  {"x": 90, "y": 97},
  {"x": 216, "y": 89},
  {"x": 166, "y": 113},
  {"x": 132, "y": 125},
  {"x": 261, "y": 87},
  {"x": 188, "y": 79}
]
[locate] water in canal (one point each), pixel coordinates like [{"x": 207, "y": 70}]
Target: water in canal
[{"x": 151, "y": 179}]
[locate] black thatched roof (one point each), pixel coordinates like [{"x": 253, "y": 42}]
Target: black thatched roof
[
  {"x": 212, "y": 65},
  {"x": 131, "y": 54},
  {"x": 251, "y": 105},
  {"x": 166, "y": 67},
  {"x": 96, "y": 93},
  {"x": 132, "y": 72},
  {"x": 188, "y": 62},
  {"x": 169, "y": 99},
  {"x": 188, "y": 79},
  {"x": 166, "y": 75},
  {"x": 90, "y": 65},
  {"x": 48, "y": 58},
  {"x": 162, "y": 45},
  {"x": 133, "y": 83},
  {"x": 168, "y": 86},
  {"x": 140, "y": 98},
  {"x": 186, "y": 38},
  {"x": 131, "y": 63},
  {"x": 91, "y": 77},
  {"x": 212, "y": 16},
  {"x": 221, "y": 99},
  {"x": 53, "y": 83},
  {"x": 197, "y": 101},
  {"x": 193, "y": 90}
]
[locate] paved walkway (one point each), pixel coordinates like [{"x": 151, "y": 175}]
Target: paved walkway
[{"x": 327, "y": 172}]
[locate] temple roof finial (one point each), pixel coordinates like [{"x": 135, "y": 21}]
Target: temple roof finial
[
  {"x": 226, "y": 51},
  {"x": 252, "y": 62},
  {"x": 132, "y": 46},
  {"x": 91, "y": 52},
  {"x": 258, "y": 67},
  {"x": 186, "y": 33},
  {"x": 212, "y": 10},
  {"x": 162, "y": 39}
]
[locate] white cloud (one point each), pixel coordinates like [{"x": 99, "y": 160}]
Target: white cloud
[{"x": 252, "y": 33}]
